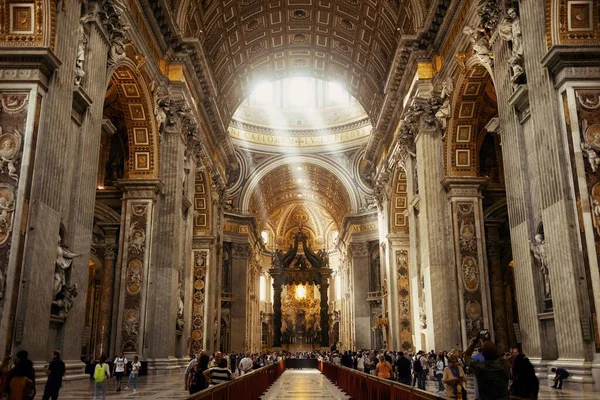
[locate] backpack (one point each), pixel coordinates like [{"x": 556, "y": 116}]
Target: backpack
[
  {"x": 99, "y": 373},
  {"x": 418, "y": 367}
]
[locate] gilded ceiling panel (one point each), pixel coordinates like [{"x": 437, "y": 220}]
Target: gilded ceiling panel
[{"x": 345, "y": 40}]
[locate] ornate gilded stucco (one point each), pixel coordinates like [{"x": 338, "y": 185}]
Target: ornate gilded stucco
[
  {"x": 139, "y": 119},
  {"x": 473, "y": 107},
  {"x": 309, "y": 183},
  {"x": 27, "y": 23},
  {"x": 353, "y": 41},
  {"x": 572, "y": 22}
]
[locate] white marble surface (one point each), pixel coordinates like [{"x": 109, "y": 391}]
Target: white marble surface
[{"x": 303, "y": 384}]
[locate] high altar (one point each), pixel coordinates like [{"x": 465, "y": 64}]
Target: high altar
[{"x": 301, "y": 315}]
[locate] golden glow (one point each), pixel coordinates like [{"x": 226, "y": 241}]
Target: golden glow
[{"x": 300, "y": 292}]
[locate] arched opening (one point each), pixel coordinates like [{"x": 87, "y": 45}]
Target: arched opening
[{"x": 474, "y": 151}]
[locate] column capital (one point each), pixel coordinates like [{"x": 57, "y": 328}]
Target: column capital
[
  {"x": 464, "y": 186},
  {"x": 139, "y": 188},
  {"x": 358, "y": 250},
  {"x": 240, "y": 250}
]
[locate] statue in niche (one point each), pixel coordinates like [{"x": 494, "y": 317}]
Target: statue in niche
[
  {"x": 80, "y": 60},
  {"x": 445, "y": 110},
  {"x": 510, "y": 30},
  {"x": 539, "y": 251},
  {"x": 65, "y": 300},
  {"x": 63, "y": 262},
  {"x": 116, "y": 168},
  {"x": 480, "y": 43},
  {"x": 591, "y": 155},
  {"x": 180, "y": 321}
]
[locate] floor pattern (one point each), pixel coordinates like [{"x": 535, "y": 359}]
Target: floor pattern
[
  {"x": 303, "y": 384},
  {"x": 293, "y": 384}
]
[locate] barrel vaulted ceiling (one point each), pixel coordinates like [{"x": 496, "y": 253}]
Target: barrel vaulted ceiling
[{"x": 350, "y": 41}]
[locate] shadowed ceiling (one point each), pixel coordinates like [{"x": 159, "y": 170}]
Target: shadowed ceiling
[{"x": 353, "y": 41}]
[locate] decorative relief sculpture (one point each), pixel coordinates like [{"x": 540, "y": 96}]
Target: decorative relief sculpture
[
  {"x": 137, "y": 239},
  {"x": 109, "y": 14},
  {"x": 480, "y": 43},
  {"x": 63, "y": 292},
  {"x": 591, "y": 155},
  {"x": 180, "y": 323},
  {"x": 198, "y": 296},
  {"x": 7, "y": 208},
  {"x": 80, "y": 60},
  {"x": 539, "y": 251},
  {"x": 490, "y": 13},
  {"x": 510, "y": 30},
  {"x": 444, "y": 112},
  {"x": 10, "y": 146}
]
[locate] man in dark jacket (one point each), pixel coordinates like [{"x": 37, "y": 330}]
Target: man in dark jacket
[
  {"x": 55, "y": 371},
  {"x": 492, "y": 374},
  {"x": 404, "y": 369}
]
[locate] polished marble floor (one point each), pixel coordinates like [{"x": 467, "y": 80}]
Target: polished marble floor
[
  {"x": 294, "y": 384},
  {"x": 303, "y": 384}
]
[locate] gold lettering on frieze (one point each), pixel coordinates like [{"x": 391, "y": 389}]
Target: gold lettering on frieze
[
  {"x": 299, "y": 141},
  {"x": 233, "y": 228},
  {"x": 364, "y": 228}
]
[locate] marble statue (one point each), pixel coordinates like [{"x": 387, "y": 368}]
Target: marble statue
[
  {"x": 180, "y": 308},
  {"x": 591, "y": 155},
  {"x": 510, "y": 30},
  {"x": 480, "y": 43},
  {"x": 539, "y": 251},
  {"x": 116, "y": 53},
  {"x": 80, "y": 60},
  {"x": 65, "y": 300},
  {"x": 64, "y": 259},
  {"x": 276, "y": 259}
]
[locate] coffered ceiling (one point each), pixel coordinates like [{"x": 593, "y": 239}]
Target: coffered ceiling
[
  {"x": 351, "y": 41},
  {"x": 306, "y": 183}
]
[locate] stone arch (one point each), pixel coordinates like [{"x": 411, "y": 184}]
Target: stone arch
[
  {"x": 254, "y": 179},
  {"x": 470, "y": 113},
  {"x": 138, "y": 114}
]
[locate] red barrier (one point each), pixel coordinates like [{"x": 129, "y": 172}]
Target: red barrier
[
  {"x": 368, "y": 387},
  {"x": 246, "y": 387}
]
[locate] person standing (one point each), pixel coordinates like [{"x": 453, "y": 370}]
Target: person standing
[
  {"x": 189, "y": 369},
  {"x": 4, "y": 371},
  {"x": 21, "y": 379},
  {"x": 454, "y": 379},
  {"x": 384, "y": 368},
  {"x": 120, "y": 369},
  {"x": 55, "y": 371},
  {"x": 404, "y": 367},
  {"x": 134, "y": 374},
  {"x": 101, "y": 377},
  {"x": 419, "y": 369},
  {"x": 477, "y": 357},
  {"x": 245, "y": 365},
  {"x": 439, "y": 372},
  {"x": 198, "y": 380},
  {"x": 525, "y": 384},
  {"x": 492, "y": 374}
]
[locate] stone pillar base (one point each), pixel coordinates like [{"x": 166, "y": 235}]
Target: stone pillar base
[
  {"x": 163, "y": 366},
  {"x": 596, "y": 372},
  {"x": 580, "y": 374},
  {"x": 75, "y": 371}
]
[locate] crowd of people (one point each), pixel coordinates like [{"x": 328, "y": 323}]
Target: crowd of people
[{"x": 496, "y": 375}]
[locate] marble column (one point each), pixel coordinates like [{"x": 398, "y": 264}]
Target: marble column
[
  {"x": 167, "y": 247},
  {"x": 499, "y": 314},
  {"x": 277, "y": 289},
  {"x": 323, "y": 288},
  {"x": 437, "y": 266},
  {"x": 359, "y": 254},
  {"x": 139, "y": 197},
  {"x": 103, "y": 333},
  {"x": 470, "y": 256},
  {"x": 239, "y": 305}
]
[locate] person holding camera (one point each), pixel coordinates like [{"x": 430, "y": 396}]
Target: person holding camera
[{"x": 493, "y": 373}]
